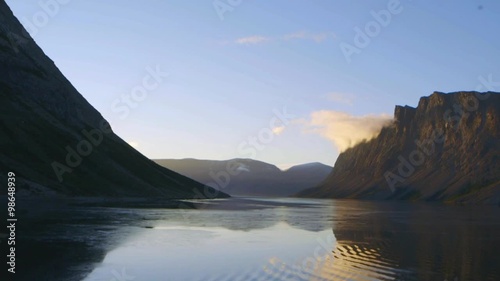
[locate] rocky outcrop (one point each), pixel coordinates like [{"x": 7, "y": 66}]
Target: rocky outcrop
[
  {"x": 56, "y": 142},
  {"x": 247, "y": 177},
  {"x": 446, "y": 149}
]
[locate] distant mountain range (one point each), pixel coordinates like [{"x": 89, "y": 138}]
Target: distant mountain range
[
  {"x": 240, "y": 177},
  {"x": 446, "y": 149},
  {"x": 57, "y": 143}
]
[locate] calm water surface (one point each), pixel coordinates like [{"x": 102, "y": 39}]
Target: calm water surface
[{"x": 270, "y": 239}]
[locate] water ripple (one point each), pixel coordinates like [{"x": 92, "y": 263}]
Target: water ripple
[{"x": 345, "y": 262}]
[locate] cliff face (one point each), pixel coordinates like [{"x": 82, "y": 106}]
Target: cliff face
[
  {"x": 56, "y": 142},
  {"x": 445, "y": 149}
]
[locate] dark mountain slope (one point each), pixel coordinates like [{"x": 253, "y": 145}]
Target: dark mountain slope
[
  {"x": 56, "y": 142},
  {"x": 446, "y": 149},
  {"x": 247, "y": 177}
]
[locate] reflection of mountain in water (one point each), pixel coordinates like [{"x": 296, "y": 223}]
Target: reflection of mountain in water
[
  {"x": 369, "y": 241},
  {"x": 63, "y": 242},
  {"x": 434, "y": 243},
  {"x": 376, "y": 241},
  {"x": 60, "y": 242},
  {"x": 306, "y": 214}
]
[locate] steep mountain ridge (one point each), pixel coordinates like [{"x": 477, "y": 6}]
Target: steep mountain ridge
[
  {"x": 445, "y": 149},
  {"x": 56, "y": 142}
]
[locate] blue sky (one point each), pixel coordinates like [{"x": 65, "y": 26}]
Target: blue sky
[{"x": 230, "y": 71}]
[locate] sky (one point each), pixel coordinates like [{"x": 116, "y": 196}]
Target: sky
[{"x": 285, "y": 82}]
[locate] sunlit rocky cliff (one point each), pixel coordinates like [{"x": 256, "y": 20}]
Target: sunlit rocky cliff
[{"x": 446, "y": 149}]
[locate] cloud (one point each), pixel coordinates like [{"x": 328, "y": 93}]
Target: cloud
[
  {"x": 278, "y": 130},
  {"x": 304, "y": 35},
  {"x": 300, "y": 35},
  {"x": 339, "y": 98},
  {"x": 252, "y": 40},
  {"x": 346, "y": 130}
]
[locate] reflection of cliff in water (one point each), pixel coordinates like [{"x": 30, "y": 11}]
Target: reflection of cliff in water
[
  {"x": 59, "y": 241},
  {"x": 422, "y": 242},
  {"x": 373, "y": 241},
  {"x": 55, "y": 241}
]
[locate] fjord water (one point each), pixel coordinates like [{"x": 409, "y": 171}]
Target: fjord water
[{"x": 274, "y": 239}]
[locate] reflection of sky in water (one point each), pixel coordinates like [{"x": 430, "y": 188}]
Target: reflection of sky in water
[
  {"x": 179, "y": 252},
  {"x": 283, "y": 242},
  {"x": 293, "y": 239}
]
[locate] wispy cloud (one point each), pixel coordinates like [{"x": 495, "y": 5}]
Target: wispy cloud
[
  {"x": 300, "y": 35},
  {"x": 252, "y": 40},
  {"x": 339, "y": 98},
  {"x": 304, "y": 35},
  {"x": 345, "y": 130}
]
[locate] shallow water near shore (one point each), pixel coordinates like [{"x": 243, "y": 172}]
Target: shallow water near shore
[{"x": 265, "y": 239}]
